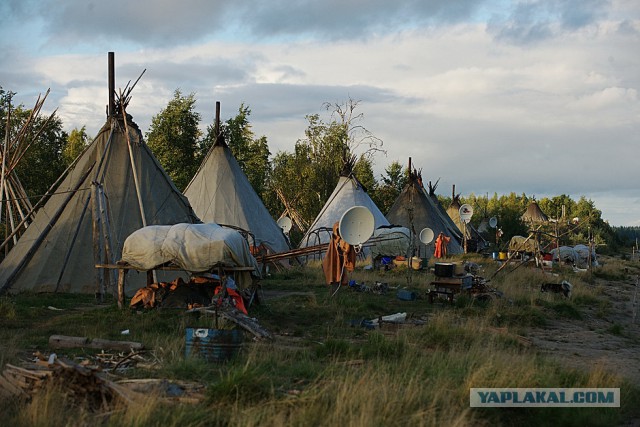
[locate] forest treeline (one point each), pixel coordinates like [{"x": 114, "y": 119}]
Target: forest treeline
[{"x": 302, "y": 179}]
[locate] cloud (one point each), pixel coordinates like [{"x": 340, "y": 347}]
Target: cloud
[{"x": 538, "y": 20}]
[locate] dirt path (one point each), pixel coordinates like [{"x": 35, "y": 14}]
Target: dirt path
[{"x": 607, "y": 336}]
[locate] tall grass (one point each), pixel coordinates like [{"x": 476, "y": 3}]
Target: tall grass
[{"x": 323, "y": 371}]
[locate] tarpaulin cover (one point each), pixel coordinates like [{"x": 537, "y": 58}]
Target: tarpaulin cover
[
  {"x": 390, "y": 241},
  {"x": 193, "y": 247}
]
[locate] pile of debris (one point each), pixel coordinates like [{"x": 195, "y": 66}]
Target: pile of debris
[{"x": 89, "y": 386}]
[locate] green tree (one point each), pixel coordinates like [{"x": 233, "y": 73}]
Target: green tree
[
  {"x": 390, "y": 186},
  {"x": 251, "y": 153},
  {"x": 173, "y": 137},
  {"x": 308, "y": 176},
  {"x": 76, "y": 143}
]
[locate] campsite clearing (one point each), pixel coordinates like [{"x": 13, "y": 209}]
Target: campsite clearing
[{"x": 327, "y": 366}]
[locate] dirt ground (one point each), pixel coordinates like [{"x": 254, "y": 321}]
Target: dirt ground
[{"x": 606, "y": 337}]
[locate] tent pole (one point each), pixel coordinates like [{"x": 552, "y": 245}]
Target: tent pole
[
  {"x": 4, "y": 161},
  {"x": 96, "y": 241},
  {"x": 106, "y": 229},
  {"x": 134, "y": 171}
]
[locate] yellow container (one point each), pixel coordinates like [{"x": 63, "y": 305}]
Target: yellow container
[{"x": 502, "y": 256}]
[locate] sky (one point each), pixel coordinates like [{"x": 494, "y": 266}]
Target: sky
[{"x": 537, "y": 97}]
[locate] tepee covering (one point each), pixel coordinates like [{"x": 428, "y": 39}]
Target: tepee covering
[
  {"x": 534, "y": 214},
  {"x": 220, "y": 192},
  {"x": 347, "y": 194},
  {"x": 415, "y": 210},
  {"x": 453, "y": 226},
  {"x": 115, "y": 187}
]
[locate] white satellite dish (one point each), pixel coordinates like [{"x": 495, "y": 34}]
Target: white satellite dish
[
  {"x": 466, "y": 212},
  {"x": 356, "y": 225},
  {"x": 493, "y": 222},
  {"x": 285, "y": 223},
  {"x": 426, "y": 235}
]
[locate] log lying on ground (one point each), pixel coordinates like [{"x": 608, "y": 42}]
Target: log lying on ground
[{"x": 63, "y": 341}]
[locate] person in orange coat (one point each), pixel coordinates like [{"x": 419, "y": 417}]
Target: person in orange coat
[
  {"x": 340, "y": 256},
  {"x": 441, "y": 245}
]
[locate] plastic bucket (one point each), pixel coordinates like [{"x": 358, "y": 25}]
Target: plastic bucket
[
  {"x": 494, "y": 255},
  {"x": 214, "y": 345},
  {"x": 502, "y": 256}
]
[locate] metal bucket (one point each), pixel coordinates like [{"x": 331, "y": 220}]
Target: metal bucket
[
  {"x": 443, "y": 269},
  {"x": 214, "y": 345}
]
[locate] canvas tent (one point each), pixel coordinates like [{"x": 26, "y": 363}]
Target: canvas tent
[
  {"x": 415, "y": 210},
  {"x": 534, "y": 214},
  {"x": 453, "y": 227},
  {"x": 220, "y": 192},
  {"x": 115, "y": 187},
  {"x": 347, "y": 194},
  {"x": 474, "y": 238}
]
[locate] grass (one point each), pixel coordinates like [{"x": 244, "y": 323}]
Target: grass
[{"x": 322, "y": 370}]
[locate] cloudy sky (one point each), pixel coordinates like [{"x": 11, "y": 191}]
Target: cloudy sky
[{"x": 533, "y": 96}]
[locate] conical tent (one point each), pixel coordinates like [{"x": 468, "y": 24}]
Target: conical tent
[
  {"x": 452, "y": 226},
  {"x": 347, "y": 194},
  {"x": 86, "y": 220},
  {"x": 473, "y": 235},
  {"x": 534, "y": 214},
  {"x": 415, "y": 210},
  {"x": 220, "y": 192}
]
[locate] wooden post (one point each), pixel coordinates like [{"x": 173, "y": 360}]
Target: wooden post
[
  {"x": 122, "y": 273},
  {"x": 95, "y": 207},
  {"x": 106, "y": 231}
]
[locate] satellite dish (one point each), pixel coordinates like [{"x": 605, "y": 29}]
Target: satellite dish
[
  {"x": 356, "y": 225},
  {"x": 493, "y": 222},
  {"x": 426, "y": 235},
  {"x": 285, "y": 223},
  {"x": 466, "y": 212}
]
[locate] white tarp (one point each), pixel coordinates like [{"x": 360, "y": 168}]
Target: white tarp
[
  {"x": 193, "y": 247},
  {"x": 521, "y": 244},
  {"x": 579, "y": 255}
]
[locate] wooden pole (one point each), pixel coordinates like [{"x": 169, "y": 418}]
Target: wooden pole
[
  {"x": 97, "y": 253},
  {"x": 106, "y": 232},
  {"x": 4, "y": 162},
  {"x": 134, "y": 172}
]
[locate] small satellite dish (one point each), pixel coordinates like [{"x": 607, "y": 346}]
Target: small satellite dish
[
  {"x": 356, "y": 225},
  {"x": 285, "y": 223},
  {"x": 493, "y": 222},
  {"x": 466, "y": 212},
  {"x": 426, "y": 235}
]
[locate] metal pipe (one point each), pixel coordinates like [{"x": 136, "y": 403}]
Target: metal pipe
[{"x": 112, "y": 85}]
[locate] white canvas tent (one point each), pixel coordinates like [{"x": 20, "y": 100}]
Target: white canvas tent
[
  {"x": 115, "y": 187},
  {"x": 347, "y": 194},
  {"x": 220, "y": 192}
]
